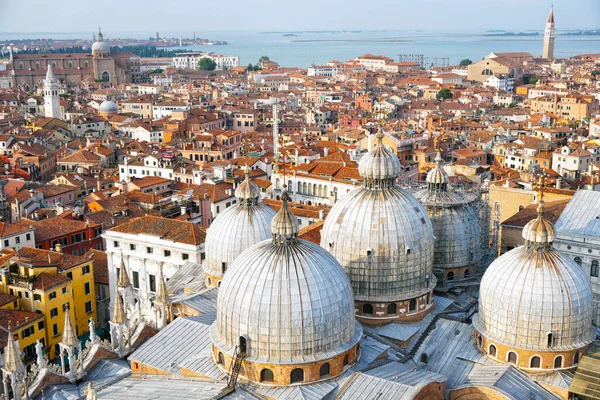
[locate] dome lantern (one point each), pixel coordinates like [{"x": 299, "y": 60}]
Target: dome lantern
[
  {"x": 285, "y": 225},
  {"x": 539, "y": 233},
  {"x": 247, "y": 192},
  {"x": 437, "y": 178},
  {"x": 379, "y": 167}
]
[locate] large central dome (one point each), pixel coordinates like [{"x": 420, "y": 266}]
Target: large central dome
[
  {"x": 383, "y": 238},
  {"x": 291, "y": 303},
  {"x": 235, "y": 229},
  {"x": 535, "y": 300}
]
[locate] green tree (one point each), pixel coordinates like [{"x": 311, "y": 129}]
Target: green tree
[
  {"x": 263, "y": 58},
  {"x": 465, "y": 62},
  {"x": 206, "y": 64},
  {"x": 444, "y": 94},
  {"x": 534, "y": 79}
]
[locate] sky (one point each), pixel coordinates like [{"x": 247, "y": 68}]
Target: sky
[{"x": 286, "y": 15}]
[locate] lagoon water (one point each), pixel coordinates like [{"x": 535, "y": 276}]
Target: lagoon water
[{"x": 319, "y": 47}]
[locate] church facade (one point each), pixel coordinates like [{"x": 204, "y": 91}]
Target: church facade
[{"x": 27, "y": 71}]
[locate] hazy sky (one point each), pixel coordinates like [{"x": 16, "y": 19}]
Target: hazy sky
[{"x": 227, "y": 15}]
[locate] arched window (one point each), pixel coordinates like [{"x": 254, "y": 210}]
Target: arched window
[
  {"x": 297, "y": 375},
  {"x": 550, "y": 340},
  {"x": 266, "y": 375},
  {"x": 576, "y": 358},
  {"x": 521, "y": 207},
  {"x": 558, "y": 362},
  {"x": 535, "y": 362},
  {"x": 345, "y": 360},
  {"x": 512, "y": 357},
  {"x": 392, "y": 309},
  {"x": 105, "y": 76},
  {"x": 450, "y": 276},
  {"x": 412, "y": 305},
  {"x": 85, "y": 64},
  {"x": 290, "y": 188},
  {"x": 492, "y": 350},
  {"x": 37, "y": 65},
  {"x": 466, "y": 273},
  {"x": 578, "y": 261},
  {"x": 479, "y": 340},
  {"x": 487, "y": 71},
  {"x": 324, "y": 371},
  {"x": 70, "y": 64},
  {"x": 221, "y": 358},
  {"x": 595, "y": 270},
  {"x": 424, "y": 358},
  {"x": 53, "y": 64},
  {"x": 367, "y": 309},
  {"x": 20, "y": 65}
]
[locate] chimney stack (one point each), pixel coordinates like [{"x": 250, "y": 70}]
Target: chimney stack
[{"x": 58, "y": 248}]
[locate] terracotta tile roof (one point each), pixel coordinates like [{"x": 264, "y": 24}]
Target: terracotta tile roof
[
  {"x": 83, "y": 156},
  {"x": 45, "y": 281},
  {"x": 17, "y": 227},
  {"x": 46, "y": 257},
  {"x": 167, "y": 229},
  {"x": 100, "y": 265},
  {"x": 6, "y": 298},
  {"x": 16, "y": 318},
  {"x": 552, "y": 210},
  {"x": 312, "y": 233},
  {"x": 49, "y": 228}
]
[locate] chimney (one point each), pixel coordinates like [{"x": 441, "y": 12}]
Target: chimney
[
  {"x": 326, "y": 151},
  {"x": 558, "y": 182},
  {"x": 58, "y": 248},
  {"x": 321, "y": 215}
]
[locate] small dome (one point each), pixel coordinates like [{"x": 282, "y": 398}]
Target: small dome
[
  {"x": 539, "y": 230},
  {"x": 236, "y": 229},
  {"x": 247, "y": 191},
  {"x": 437, "y": 176},
  {"x": 289, "y": 297},
  {"x": 379, "y": 164},
  {"x": 108, "y": 107},
  {"x": 533, "y": 291},
  {"x": 100, "y": 46}
]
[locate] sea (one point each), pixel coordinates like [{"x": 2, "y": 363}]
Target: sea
[{"x": 306, "y": 48}]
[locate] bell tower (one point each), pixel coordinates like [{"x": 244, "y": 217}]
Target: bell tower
[
  {"x": 548, "y": 52},
  {"x": 51, "y": 99}
]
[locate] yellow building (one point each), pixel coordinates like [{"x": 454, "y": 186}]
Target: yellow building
[
  {"x": 49, "y": 283},
  {"x": 567, "y": 107},
  {"x": 26, "y": 327}
]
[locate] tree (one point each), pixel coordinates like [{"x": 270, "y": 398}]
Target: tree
[
  {"x": 444, "y": 94},
  {"x": 534, "y": 80},
  {"x": 206, "y": 64},
  {"x": 263, "y": 58},
  {"x": 465, "y": 62}
]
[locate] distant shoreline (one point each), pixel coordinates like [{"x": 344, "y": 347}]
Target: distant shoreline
[{"x": 353, "y": 40}]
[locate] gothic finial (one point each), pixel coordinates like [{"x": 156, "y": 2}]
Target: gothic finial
[
  {"x": 69, "y": 337},
  {"x": 123, "y": 279},
  {"x": 284, "y": 226},
  {"x": 12, "y": 360}
]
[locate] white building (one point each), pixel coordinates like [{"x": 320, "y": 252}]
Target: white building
[
  {"x": 165, "y": 108},
  {"x": 145, "y": 244},
  {"x": 595, "y": 128},
  {"x": 190, "y": 60},
  {"x": 578, "y": 235},
  {"x": 16, "y": 235},
  {"x": 445, "y": 79},
  {"x": 146, "y": 166},
  {"x": 501, "y": 82}
]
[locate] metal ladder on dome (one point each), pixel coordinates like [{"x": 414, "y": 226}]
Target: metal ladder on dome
[{"x": 234, "y": 370}]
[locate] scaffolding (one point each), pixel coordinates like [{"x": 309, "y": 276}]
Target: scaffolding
[{"x": 424, "y": 62}]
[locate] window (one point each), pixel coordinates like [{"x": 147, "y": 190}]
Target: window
[
  {"x": 17, "y": 240},
  {"x": 558, "y": 362},
  {"x": 450, "y": 276},
  {"x": 64, "y": 290},
  {"x": 53, "y": 312},
  {"x": 185, "y": 256},
  {"x": 52, "y": 296},
  {"x": 412, "y": 305},
  {"x": 367, "y": 309},
  {"x": 55, "y": 329},
  {"x": 85, "y": 270},
  {"x": 424, "y": 358},
  {"x": 391, "y": 309},
  {"x": 535, "y": 362},
  {"x": 88, "y": 307},
  {"x": 595, "y": 270},
  {"x": 512, "y": 357},
  {"x": 167, "y": 253},
  {"x": 70, "y": 275},
  {"x": 578, "y": 261},
  {"x": 40, "y": 325},
  {"x": 37, "y": 297},
  {"x": 87, "y": 288},
  {"x": 492, "y": 350},
  {"x": 550, "y": 340},
  {"x": 221, "y": 359},
  {"x": 116, "y": 244},
  {"x": 346, "y": 360},
  {"x": 223, "y": 267},
  {"x": 297, "y": 375},
  {"x": 149, "y": 250},
  {"x": 266, "y": 375},
  {"x": 136, "y": 279},
  {"x": 5, "y": 242},
  {"x": 28, "y": 236},
  {"x": 324, "y": 371},
  {"x": 152, "y": 283},
  {"x": 576, "y": 358}
]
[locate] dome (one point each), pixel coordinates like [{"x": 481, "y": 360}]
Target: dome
[
  {"x": 539, "y": 230},
  {"x": 381, "y": 235},
  {"x": 536, "y": 298},
  {"x": 108, "y": 107},
  {"x": 289, "y": 298},
  {"x": 235, "y": 229},
  {"x": 100, "y": 46},
  {"x": 379, "y": 163},
  {"x": 456, "y": 225}
]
